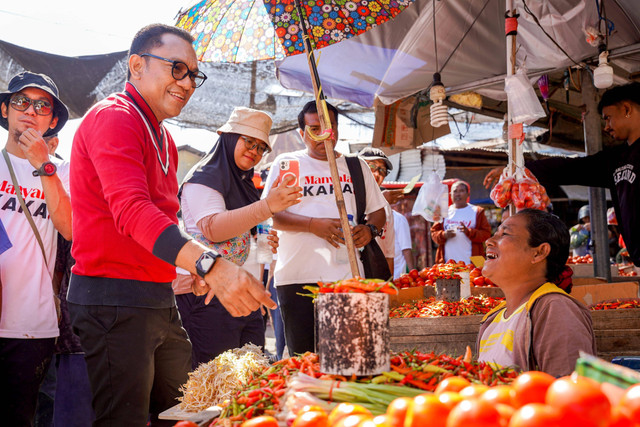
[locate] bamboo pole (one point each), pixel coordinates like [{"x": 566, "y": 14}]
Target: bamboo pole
[
  {"x": 516, "y": 158},
  {"x": 325, "y": 124}
]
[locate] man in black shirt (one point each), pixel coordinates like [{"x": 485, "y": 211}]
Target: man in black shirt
[{"x": 615, "y": 168}]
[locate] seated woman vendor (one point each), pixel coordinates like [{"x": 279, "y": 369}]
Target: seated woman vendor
[{"x": 539, "y": 326}]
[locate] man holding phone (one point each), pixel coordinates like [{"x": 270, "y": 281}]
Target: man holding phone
[{"x": 310, "y": 235}]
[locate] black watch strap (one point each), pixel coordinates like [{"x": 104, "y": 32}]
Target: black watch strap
[
  {"x": 205, "y": 263},
  {"x": 46, "y": 169},
  {"x": 374, "y": 230}
]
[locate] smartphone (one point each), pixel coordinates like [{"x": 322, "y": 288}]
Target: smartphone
[{"x": 290, "y": 168}]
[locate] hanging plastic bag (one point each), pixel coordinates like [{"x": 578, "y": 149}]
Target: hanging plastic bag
[
  {"x": 432, "y": 202},
  {"x": 501, "y": 193},
  {"x": 524, "y": 105}
]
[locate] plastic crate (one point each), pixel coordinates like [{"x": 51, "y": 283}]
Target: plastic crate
[
  {"x": 631, "y": 362},
  {"x": 602, "y": 371}
]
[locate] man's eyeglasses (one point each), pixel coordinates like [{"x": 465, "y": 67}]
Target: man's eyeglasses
[
  {"x": 180, "y": 70},
  {"x": 42, "y": 107},
  {"x": 261, "y": 148},
  {"x": 382, "y": 171}
]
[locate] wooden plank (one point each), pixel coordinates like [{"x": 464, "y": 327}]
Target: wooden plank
[
  {"x": 616, "y": 319},
  {"x": 618, "y": 340}
]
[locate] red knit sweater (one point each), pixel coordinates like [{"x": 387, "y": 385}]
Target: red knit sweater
[{"x": 121, "y": 197}]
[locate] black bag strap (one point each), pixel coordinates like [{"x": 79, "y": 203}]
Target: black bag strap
[{"x": 359, "y": 190}]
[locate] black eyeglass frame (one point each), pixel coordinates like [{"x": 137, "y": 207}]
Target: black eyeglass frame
[
  {"x": 383, "y": 171},
  {"x": 251, "y": 145},
  {"x": 36, "y": 103},
  {"x": 193, "y": 75}
]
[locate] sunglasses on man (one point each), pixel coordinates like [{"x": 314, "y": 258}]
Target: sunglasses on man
[
  {"x": 180, "y": 70},
  {"x": 42, "y": 107}
]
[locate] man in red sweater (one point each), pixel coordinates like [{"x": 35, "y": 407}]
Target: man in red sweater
[{"x": 126, "y": 240}]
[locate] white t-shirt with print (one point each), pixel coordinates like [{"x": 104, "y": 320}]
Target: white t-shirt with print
[
  {"x": 28, "y": 309},
  {"x": 304, "y": 257},
  {"x": 402, "y": 242},
  {"x": 387, "y": 240},
  {"x": 458, "y": 248}
]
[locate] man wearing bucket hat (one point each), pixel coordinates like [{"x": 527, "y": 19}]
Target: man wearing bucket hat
[
  {"x": 127, "y": 243},
  {"x": 220, "y": 205},
  {"x": 32, "y": 216}
]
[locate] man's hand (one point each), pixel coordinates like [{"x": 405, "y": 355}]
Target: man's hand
[
  {"x": 238, "y": 291},
  {"x": 327, "y": 229},
  {"x": 492, "y": 177},
  {"x": 281, "y": 196},
  {"x": 34, "y": 147},
  {"x": 273, "y": 241},
  {"x": 361, "y": 235},
  {"x": 392, "y": 196}
]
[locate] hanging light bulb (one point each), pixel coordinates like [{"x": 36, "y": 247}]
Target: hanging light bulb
[
  {"x": 603, "y": 74},
  {"x": 439, "y": 111}
]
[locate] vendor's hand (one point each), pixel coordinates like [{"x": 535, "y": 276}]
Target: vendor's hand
[
  {"x": 238, "y": 291},
  {"x": 282, "y": 196},
  {"x": 34, "y": 147},
  {"x": 361, "y": 235},
  {"x": 449, "y": 234},
  {"x": 463, "y": 228},
  {"x": 327, "y": 229},
  {"x": 492, "y": 177},
  {"x": 273, "y": 240},
  {"x": 393, "y": 196}
]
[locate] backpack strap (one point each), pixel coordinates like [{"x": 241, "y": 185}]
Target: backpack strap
[{"x": 359, "y": 191}]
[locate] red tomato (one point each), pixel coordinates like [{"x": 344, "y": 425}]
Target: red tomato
[
  {"x": 452, "y": 384},
  {"x": 580, "y": 401},
  {"x": 184, "y": 423},
  {"x": 311, "y": 419},
  {"x": 536, "y": 415},
  {"x": 479, "y": 281},
  {"x": 424, "y": 273},
  {"x": 476, "y": 413},
  {"x": 498, "y": 394},
  {"x": 397, "y": 411},
  {"x": 450, "y": 398},
  {"x": 262, "y": 421},
  {"x": 531, "y": 387},
  {"x": 631, "y": 402},
  {"x": 355, "y": 420},
  {"x": 473, "y": 391},
  {"x": 345, "y": 409},
  {"x": 426, "y": 410},
  {"x": 414, "y": 274}
]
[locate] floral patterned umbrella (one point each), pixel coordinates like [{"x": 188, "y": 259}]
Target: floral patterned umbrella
[{"x": 250, "y": 30}]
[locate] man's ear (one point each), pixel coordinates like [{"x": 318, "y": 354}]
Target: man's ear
[
  {"x": 136, "y": 66},
  {"x": 53, "y": 123},
  {"x": 541, "y": 253},
  {"x": 52, "y": 143},
  {"x": 5, "y": 113},
  {"x": 301, "y": 131}
]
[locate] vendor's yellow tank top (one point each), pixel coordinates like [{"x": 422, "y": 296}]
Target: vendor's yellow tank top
[{"x": 496, "y": 344}]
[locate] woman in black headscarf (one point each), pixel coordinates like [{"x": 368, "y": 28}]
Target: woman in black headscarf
[{"x": 220, "y": 205}]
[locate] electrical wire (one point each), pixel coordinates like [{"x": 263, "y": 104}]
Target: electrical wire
[
  {"x": 435, "y": 40},
  {"x": 461, "y": 40},
  {"x": 602, "y": 15},
  {"x": 535, "y": 19}
]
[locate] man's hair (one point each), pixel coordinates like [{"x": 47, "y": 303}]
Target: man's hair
[
  {"x": 151, "y": 36},
  {"x": 310, "y": 108},
  {"x": 629, "y": 92},
  {"x": 544, "y": 227}
]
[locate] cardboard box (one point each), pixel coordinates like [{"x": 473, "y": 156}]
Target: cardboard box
[
  {"x": 407, "y": 295},
  {"x": 592, "y": 294},
  {"x": 586, "y": 270}
]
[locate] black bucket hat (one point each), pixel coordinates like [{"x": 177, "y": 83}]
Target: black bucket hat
[
  {"x": 39, "y": 81},
  {"x": 371, "y": 153}
]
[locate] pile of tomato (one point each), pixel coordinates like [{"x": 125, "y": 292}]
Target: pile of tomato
[
  {"x": 584, "y": 259},
  {"x": 428, "y": 275},
  {"x": 534, "y": 399}
]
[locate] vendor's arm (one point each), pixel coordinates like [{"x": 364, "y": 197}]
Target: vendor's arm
[
  {"x": 438, "y": 235},
  {"x": 561, "y": 328},
  {"x": 56, "y": 197}
]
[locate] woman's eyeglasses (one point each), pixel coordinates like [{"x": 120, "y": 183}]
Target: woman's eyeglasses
[
  {"x": 251, "y": 144},
  {"x": 180, "y": 70},
  {"x": 382, "y": 171},
  {"x": 42, "y": 107}
]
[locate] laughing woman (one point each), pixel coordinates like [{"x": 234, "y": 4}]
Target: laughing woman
[
  {"x": 220, "y": 205},
  {"x": 539, "y": 326}
]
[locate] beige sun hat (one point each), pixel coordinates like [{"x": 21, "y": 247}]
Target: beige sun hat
[{"x": 249, "y": 122}]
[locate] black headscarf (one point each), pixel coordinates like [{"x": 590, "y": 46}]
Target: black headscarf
[{"x": 218, "y": 170}]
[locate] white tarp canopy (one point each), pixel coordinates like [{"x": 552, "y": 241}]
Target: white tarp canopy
[{"x": 397, "y": 59}]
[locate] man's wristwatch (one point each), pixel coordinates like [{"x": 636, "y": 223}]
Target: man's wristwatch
[
  {"x": 206, "y": 262},
  {"x": 374, "y": 230},
  {"x": 46, "y": 169}
]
